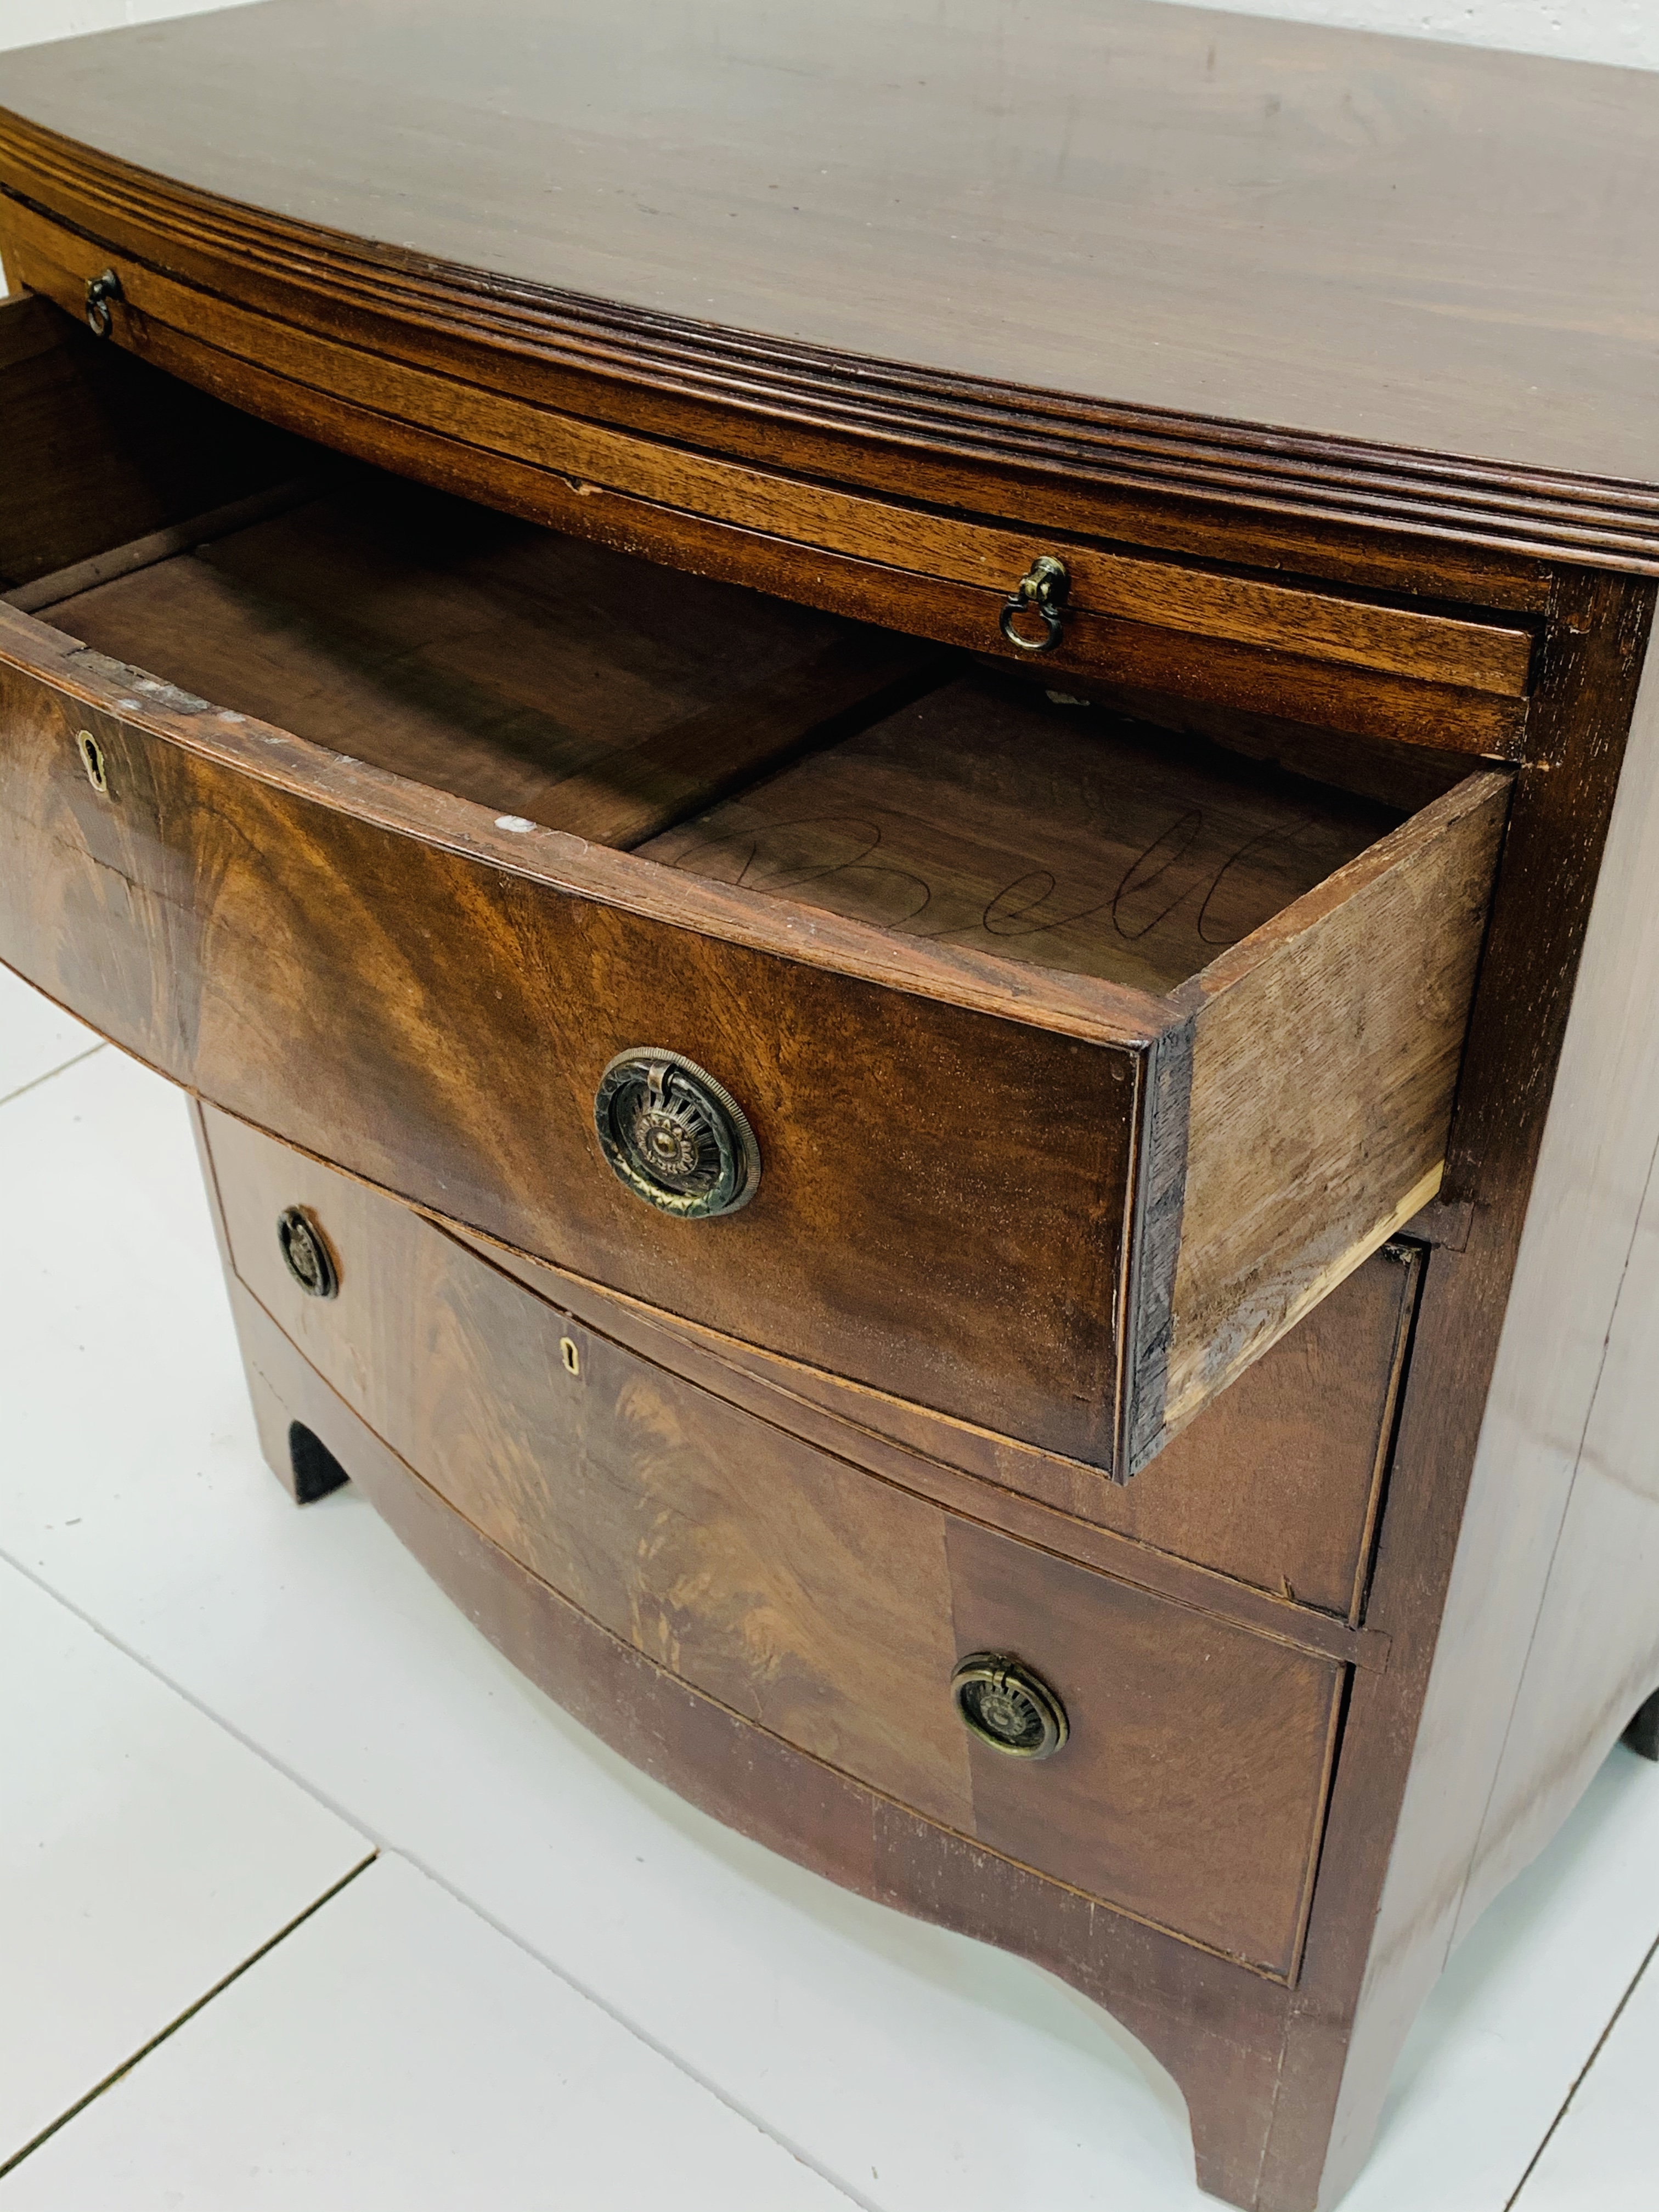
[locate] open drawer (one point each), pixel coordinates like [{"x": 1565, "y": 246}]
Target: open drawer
[{"x": 1001, "y": 1054}]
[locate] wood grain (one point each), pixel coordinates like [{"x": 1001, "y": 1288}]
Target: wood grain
[
  {"x": 581, "y": 689},
  {"x": 844, "y": 439},
  {"x": 1157, "y": 1700},
  {"x": 438, "y": 1020},
  {"x": 1421, "y": 1744},
  {"x": 798, "y": 1592},
  {"x": 1075, "y": 1006},
  {"x": 826, "y": 1605},
  {"x": 985, "y": 816},
  {"x": 1573, "y": 1395},
  {"x": 156, "y": 545},
  {"x": 1405, "y": 777},
  {"x": 1592, "y": 1661},
  {"x": 101, "y": 448},
  {"x": 1390, "y": 305},
  {"x": 29, "y": 328},
  {"x": 1301, "y": 1160},
  {"x": 707, "y": 513},
  {"x": 1562, "y": 1486},
  {"x": 913, "y": 373},
  {"x": 1447, "y": 649},
  {"x": 1217, "y": 2025},
  {"x": 1273, "y": 1488},
  {"x": 156, "y": 911}
]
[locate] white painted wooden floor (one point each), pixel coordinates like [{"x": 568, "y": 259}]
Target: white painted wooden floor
[{"x": 306, "y": 1899}]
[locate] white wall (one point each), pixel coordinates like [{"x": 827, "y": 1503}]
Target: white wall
[
  {"x": 1625, "y": 32},
  {"x": 1622, "y": 31}
]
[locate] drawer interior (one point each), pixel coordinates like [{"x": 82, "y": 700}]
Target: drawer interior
[
  {"x": 989, "y": 815},
  {"x": 540, "y": 675},
  {"x": 102, "y": 450},
  {"x": 851, "y": 770}
]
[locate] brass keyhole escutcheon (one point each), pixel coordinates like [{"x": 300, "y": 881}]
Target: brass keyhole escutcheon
[
  {"x": 306, "y": 1254},
  {"x": 101, "y": 292},
  {"x": 568, "y": 1353},
  {"x": 1042, "y": 591},
  {"x": 92, "y": 759},
  {"x": 675, "y": 1136},
  {"x": 1008, "y": 1705}
]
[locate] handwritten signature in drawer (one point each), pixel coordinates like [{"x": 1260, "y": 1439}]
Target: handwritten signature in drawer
[{"x": 843, "y": 862}]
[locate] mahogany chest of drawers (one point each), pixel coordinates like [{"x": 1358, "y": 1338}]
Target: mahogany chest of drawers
[{"x": 874, "y": 994}]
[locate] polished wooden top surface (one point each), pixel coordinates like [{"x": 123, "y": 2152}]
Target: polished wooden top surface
[{"x": 1425, "y": 245}]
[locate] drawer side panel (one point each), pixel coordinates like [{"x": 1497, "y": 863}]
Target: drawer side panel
[{"x": 1326, "y": 1058}]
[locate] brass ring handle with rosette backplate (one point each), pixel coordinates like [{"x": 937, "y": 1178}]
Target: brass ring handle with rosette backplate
[
  {"x": 674, "y": 1136},
  {"x": 1042, "y": 591},
  {"x": 1006, "y": 1704},
  {"x": 306, "y": 1254}
]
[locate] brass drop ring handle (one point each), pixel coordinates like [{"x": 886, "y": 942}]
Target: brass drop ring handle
[
  {"x": 100, "y": 291},
  {"x": 674, "y": 1136},
  {"x": 1042, "y": 589},
  {"x": 1004, "y": 1703}
]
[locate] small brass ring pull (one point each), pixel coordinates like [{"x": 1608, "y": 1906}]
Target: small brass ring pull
[
  {"x": 674, "y": 1136},
  {"x": 1041, "y": 590},
  {"x": 1008, "y": 1706},
  {"x": 100, "y": 291},
  {"x": 305, "y": 1255}
]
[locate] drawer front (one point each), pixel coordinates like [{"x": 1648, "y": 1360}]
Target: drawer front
[
  {"x": 1315, "y": 657},
  {"x": 829, "y": 1606},
  {"x": 1059, "y": 1209},
  {"x": 1275, "y": 1486},
  {"x": 944, "y": 1195}
]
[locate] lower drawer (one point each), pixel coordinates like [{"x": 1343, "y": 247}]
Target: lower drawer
[
  {"x": 1277, "y": 1485},
  {"x": 828, "y": 1605}
]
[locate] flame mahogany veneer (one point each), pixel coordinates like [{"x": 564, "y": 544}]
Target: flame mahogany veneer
[{"x": 515, "y": 570}]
